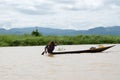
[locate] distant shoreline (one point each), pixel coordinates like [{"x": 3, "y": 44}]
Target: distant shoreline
[{"x": 30, "y": 40}]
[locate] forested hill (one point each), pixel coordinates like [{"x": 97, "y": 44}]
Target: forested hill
[{"x": 114, "y": 30}]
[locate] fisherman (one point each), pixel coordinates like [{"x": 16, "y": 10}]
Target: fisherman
[{"x": 49, "y": 47}]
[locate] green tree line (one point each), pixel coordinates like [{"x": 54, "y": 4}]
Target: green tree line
[{"x": 36, "y": 40}]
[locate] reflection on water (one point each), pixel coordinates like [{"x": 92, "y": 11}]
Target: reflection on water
[
  {"x": 50, "y": 55},
  {"x": 26, "y": 63}
]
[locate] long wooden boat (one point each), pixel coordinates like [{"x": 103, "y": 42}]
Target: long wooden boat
[{"x": 85, "y": 51}]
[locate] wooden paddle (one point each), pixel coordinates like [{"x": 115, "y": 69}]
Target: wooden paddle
[{"x": 43, "y": 53}]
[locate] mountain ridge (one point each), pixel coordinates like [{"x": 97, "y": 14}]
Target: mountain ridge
[{"x": 114, "y": 30}]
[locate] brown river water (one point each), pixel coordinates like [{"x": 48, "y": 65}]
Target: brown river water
[{"x": 27, "y": 63}]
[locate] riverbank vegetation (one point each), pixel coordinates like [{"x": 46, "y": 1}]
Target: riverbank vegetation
[{"x": 31, "y": 40}]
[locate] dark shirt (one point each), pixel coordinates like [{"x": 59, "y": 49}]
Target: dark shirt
[{"x": 50, "y": 48}]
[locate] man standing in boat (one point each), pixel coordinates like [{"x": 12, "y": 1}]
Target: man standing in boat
[{"x": 49, "y": 48}]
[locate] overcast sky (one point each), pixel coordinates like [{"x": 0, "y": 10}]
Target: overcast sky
[{"x": 64, "y": 14}]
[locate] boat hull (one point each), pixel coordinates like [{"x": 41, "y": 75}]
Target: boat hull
[{"x": 84, "y": 51}]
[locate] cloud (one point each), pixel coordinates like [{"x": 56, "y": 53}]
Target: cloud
[
  {"x": 40, "y": 9},
  {"x": 116, "y": 2},
  {"x": 80, "y": 4},
  {"x": 30, "y": 7},
  {"x": 35, "y": 10},
  {"x": 83, "y": 5},
  {"x": 77, "y": 14},
  {"x": 64, "y": 1}
]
